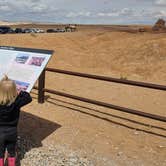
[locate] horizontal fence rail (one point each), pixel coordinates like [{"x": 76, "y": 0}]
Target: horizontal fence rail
[
  {"x": 110, "y": 79},
  {"x": 41, "y": 89},
  {"x": 99, "y": 103}
]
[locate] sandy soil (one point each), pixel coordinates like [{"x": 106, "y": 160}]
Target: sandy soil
[{"x": 108, "y": 137}]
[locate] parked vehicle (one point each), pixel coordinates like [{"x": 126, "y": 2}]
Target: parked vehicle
[
  {"x": 28, "y": 30},
  {"x": 56, "y": 30},
  {"x": 60, "y": 30},
  {"x": 19, "y": 30},
  {"x": 71, "y": 28},
  {"x": 5, "y": 29},
  {"x": 33, "y": 30},
  {"x": 50, "y": 30},
  {"x": 11, "y": 31},
  {"x": 37, "y": 30}
]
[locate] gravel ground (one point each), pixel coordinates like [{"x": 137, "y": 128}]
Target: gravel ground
[{"x": 48, "y": 155}]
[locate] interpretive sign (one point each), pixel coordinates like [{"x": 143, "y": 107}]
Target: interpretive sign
[{"x": 23, "y": 65}]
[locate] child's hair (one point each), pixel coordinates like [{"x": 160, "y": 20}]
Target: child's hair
[{"x": 8, "y": 91}]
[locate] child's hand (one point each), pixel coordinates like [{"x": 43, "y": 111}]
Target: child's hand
[{"x": 18, "y": 91}]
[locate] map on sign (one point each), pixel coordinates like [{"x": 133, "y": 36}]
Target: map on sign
[{"x": 23, "y": 65}]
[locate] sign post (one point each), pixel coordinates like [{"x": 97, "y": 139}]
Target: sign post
[{"x": 41, "y": 86}]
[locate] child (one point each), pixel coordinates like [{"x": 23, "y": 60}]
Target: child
[{"x": 10, "y": 104}]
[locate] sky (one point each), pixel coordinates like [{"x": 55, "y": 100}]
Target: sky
[{"x": 83, "y": 11}]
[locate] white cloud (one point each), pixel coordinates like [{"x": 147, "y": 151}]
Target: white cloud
[
  {"x": 117, "y": 13},
  {"x": 24, "y": 6},
  {"x": 160, "y": 14},
  {"x": 126, "y": 11},
  {"x": 108, "y": 14},
  {"x": 4, "y": 8},
  {"x": 78, "y": 14},
  {"x": 112, "y": 13},
  {"x": 160, "y": 2},
  {"x": 39, "y": 8},
  {"x": 94, "y": 11}
]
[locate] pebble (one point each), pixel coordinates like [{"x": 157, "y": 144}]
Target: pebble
[
  {"x": 31, "y": 155},
  {"x": 136, "y": 133}
]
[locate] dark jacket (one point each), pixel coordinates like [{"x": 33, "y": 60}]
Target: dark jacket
[{"x": 9, "y": 115}]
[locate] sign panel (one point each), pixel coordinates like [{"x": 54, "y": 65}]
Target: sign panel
[{"x": 23, "y": 65}]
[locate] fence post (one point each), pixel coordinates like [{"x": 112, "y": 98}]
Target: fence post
[{"x": 41, "y": 85}]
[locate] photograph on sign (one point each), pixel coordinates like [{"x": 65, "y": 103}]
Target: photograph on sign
[
  {"x": 23, "y": 65},
  {"x": 36, "y": 61},
  {"x": 22, "y": 58}
]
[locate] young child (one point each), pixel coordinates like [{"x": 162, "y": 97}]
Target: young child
[{"x": 10, "y": 104}]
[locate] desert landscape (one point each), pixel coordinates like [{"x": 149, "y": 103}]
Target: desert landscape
[{"x": 86, "y": 134}]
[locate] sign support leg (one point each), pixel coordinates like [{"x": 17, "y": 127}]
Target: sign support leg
[{"x": 41, "y": 86}]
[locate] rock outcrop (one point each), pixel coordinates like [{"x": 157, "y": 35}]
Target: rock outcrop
[{"x": 159, "y": 25}]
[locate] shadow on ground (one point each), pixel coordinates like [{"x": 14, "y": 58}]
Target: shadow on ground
[
  {"x": 108, "y": 117},
  {"x": 31, "y": 131}
]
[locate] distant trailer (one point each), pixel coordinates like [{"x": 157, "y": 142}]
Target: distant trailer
[{"x": 70, "y": 28}]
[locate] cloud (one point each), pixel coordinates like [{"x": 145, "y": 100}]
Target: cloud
[
  {"x": 4, "y": 8},
  {"x": 160, "y": 2},
  {"x": 160, "y": 14},
  {"x": 22, "y": 6},
  {"x": 78, "y": 11},
  {"x": 78, "y": 14},
  {"x": 111, "y": 14},
  {"x": 117, "y": 13}
]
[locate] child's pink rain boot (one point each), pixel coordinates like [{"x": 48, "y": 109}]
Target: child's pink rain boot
[
  {"x": 1, "y": 161},
  {"x": 11, "y": 161}
]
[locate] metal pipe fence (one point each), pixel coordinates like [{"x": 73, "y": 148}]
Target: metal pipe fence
[{"x": 41, "y": 90}]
